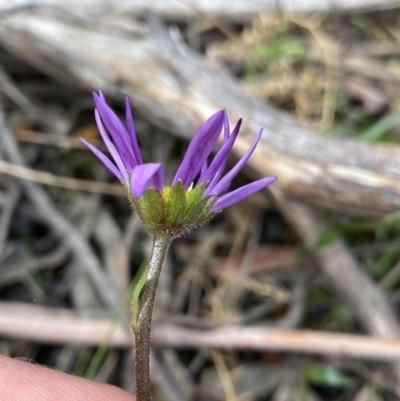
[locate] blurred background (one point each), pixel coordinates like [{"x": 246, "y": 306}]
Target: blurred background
[{"x": 291, "y": 295}]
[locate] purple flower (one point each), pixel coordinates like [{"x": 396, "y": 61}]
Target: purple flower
[{"x": 128, "y": 167}]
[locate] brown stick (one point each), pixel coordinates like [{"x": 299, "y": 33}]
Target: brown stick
[
  {"x": 58, "y": 326},
  {"x": 270, "y": 339},
  {"x": 45, "y": 178}
]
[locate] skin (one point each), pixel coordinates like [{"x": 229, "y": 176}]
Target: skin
[{"x": 26, "y": 381}]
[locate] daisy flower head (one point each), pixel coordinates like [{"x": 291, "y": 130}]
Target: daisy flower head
[{"x": 199, "y": 189}]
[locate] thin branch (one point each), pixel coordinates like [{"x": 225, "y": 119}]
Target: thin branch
[
  {"x": 59, "y": 326},
  {"x": 60, "y": 141},
  {"x": 45, "y": 178}
]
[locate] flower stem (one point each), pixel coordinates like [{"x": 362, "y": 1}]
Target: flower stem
[{"x": 143, "y": 327}]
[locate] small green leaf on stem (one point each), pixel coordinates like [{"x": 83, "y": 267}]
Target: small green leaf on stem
[{"x": 138, "y": 284}]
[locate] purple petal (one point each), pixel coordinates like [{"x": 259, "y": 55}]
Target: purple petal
[
  {"x": 143, "y": 175},
  {"x": 241, "y": 193},
  {"x": 111, "y": 148},
  {"x": 117, "y": 131},
  {"x": 204, "y": 168},
  {"x": 227, "y": 129},
  {"x": 199, "y": 148},
  {"x": 101, "y": 94},
  {"x": 132, "y": 132},
  {"x": 224, "y": 184},
  {"x": 107, "y": 162},
  {"x": 158, "y": 178},
  {"x": 215, "y": 179},
  {"x": 221, "y": 156}
]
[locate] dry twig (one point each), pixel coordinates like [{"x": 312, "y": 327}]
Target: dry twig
[
  {"x": 45, "y": 178},
  {"x": 58, "y": 326}
]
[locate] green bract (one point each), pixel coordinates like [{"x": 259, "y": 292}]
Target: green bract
[{"x": 174, "y": 212}]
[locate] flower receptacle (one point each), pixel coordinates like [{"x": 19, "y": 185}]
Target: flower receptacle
[{"x": 175, "y": 211}]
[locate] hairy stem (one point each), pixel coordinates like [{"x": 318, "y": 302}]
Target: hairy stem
[{"x": 143, "y": 327}]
